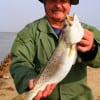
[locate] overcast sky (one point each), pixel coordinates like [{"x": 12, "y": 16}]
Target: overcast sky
[{"x": 15, "y": 14}]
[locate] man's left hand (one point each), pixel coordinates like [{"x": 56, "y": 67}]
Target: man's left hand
[{"x": 86, "y": 42}]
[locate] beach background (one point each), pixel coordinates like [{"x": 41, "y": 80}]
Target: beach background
[
  {"x": 7, "y": 88},
  {"x": 6, "y": 40}
]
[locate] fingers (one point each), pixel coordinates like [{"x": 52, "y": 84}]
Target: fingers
[
  {"x": 39, "y": 95},
  {"x": 48, "y": 90},
  {"x": 83, "y": 46},
  {"x": 31, "y": 84},
  {"x": 87, "y": 42},
  {"x": 53, "y": 86}
]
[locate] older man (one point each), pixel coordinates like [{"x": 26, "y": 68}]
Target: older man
[{"x": 35, "y": 44}]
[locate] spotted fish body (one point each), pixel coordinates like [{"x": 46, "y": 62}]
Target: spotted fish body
[{"x": 62, "y": 59}]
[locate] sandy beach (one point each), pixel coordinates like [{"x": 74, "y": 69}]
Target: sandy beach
[
  {"x": 8, "y": 91},
  {"x": 94, "y": 81}
]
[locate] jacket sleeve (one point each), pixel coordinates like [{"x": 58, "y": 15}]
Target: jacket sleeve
[
  {"x": 23, "y": 53},
  {"x": 92, "y": 57}
]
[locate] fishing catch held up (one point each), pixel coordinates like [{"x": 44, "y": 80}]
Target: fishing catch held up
[{"x": 62, "y": 59}]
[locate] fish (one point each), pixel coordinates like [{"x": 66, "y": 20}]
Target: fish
[{"x": 62, "y": 59}]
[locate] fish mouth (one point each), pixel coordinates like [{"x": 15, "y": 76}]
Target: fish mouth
[{"x": 70, "y": 19}]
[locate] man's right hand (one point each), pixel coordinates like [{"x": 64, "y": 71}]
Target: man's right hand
[{"x": 42, "y": 94}]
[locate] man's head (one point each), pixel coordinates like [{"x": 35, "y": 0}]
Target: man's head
[
  {"x": 56, "y": 10},
  {"x": 73, "y": 2}
]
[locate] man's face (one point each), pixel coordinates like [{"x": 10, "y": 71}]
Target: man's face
[{"x": 56, "y": 10}]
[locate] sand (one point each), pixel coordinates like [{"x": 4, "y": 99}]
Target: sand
[{"x": 8, "y": 91}]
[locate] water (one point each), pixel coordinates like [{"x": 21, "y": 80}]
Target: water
[{"x": 6, "y": 41}]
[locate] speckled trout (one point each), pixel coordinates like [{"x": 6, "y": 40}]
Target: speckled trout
[{"x": 62, "y": 59}]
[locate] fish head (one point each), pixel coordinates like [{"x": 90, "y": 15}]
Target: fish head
[{"x": 72, "y": 31}]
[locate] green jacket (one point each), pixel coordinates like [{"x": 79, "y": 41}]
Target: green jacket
[{"x": 32, "y": 49}]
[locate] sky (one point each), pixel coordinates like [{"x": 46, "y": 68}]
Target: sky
[{"x": 15, "y": 14}]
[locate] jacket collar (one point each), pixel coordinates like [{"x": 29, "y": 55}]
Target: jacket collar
[{"x": 45, "y": 27}]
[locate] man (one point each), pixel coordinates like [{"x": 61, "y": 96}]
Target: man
[{"x": 35, "y": 44}]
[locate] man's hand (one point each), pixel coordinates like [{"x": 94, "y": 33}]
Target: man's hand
[
  {"x": 42, "y": 94},
  {"x": 87, "y": 42},
  {"x": 48, "y": 90}
]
